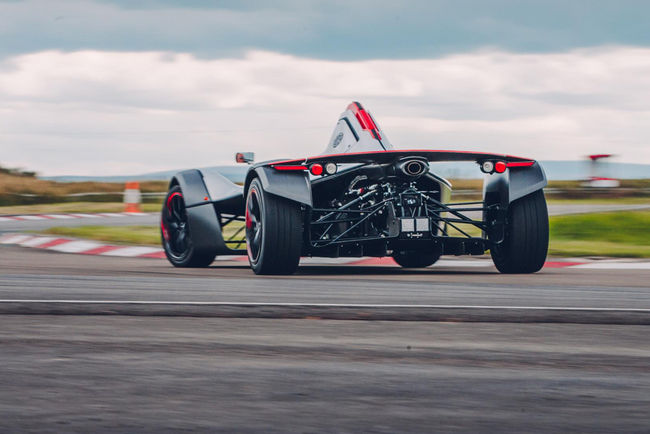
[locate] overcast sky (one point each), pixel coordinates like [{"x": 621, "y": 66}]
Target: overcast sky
[{"x": 106, "y": 87}]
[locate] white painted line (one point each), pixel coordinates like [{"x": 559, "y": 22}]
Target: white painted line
[
  {"x": 336, "y": 261},
  {"x": 37, "y": 241},
  {"x": 7, "y": 219},
  {"x": 228, "y": 257},
  {"x": 86, "y": 216},
  {"x": 111, "y": 214},
  {"x": 133, "y": 251},
  {"x": 15, "y": 239},
  {"x": 614, "y": 266},
  {"x": 59, "y": 216},
  {"x": 136, "y": 214},
  {"x": 419, "y": 306},
  {"x": 31, "y": 217},
  {"x": 75, "y": 246},
  {"x": 452, "y": 263}
]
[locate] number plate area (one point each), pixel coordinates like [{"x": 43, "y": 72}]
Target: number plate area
[{"x": 415, "y": 227}]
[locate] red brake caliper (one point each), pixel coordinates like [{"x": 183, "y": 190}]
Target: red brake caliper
[{"x": 169, "y": 209}]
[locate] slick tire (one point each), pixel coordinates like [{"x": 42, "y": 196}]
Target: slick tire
[
  {"x": 274, "y": 232},
  {"x": 525, "y": 244},
  {"x": 415, "y": 258},
  {"x": 176, "y": 234}
]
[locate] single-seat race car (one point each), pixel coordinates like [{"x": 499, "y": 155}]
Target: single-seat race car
[{"x": 361, "y": 197}]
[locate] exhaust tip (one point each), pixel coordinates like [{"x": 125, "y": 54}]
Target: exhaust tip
[{"x": 413, "y": 168}]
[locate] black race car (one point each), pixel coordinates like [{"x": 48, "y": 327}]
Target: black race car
[{"x": 360, "y": 198}]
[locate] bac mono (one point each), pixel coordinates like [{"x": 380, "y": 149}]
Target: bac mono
[{"x": 361, "y": 197}]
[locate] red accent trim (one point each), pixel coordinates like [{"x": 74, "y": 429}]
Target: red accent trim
[
  {"x": 290, "y": 167},
  {"x": 396, "y": 151},
  {"x": 247, "y": 219},
  {"x": 164, "y": 230},
  {"x": 598, "y": 156},
  {"x": 100, "y": 250},
  {"x": 316, "y": 169},
  {"x": 520, "y": 164},
  {"x": 169, "y": 199},
  {"x": 365, "y": 120},
  {"x": 500, "y": 167},
  {"x": 600, "y": 178},
  {"x": 374, "y": 261},
  {"x": 274, "y": 163},
  {"x": 54, "y": 243},
  {"x": 249, "y": 222},
  {"x": 561, "y": 264}
]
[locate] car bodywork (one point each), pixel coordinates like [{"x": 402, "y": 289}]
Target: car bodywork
[{"x": 363, "y": 197}]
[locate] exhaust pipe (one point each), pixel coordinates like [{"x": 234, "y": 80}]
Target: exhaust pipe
[{"x": 413, "y": 168}]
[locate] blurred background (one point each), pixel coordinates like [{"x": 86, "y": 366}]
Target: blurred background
[{"x": 97, "y": 93}]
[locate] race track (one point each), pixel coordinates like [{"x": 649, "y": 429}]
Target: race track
[
  {"x": 33, "y": 274},
  {"x": 35, "y": 223},
  {"x": 151, "y": 371}
]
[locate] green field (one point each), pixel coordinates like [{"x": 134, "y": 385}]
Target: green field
[
  {"x": 621, "y": 234},
  {"x": 617, "y": 234}
]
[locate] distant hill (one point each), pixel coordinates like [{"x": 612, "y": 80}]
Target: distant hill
[{"x": 555, "y": 170}]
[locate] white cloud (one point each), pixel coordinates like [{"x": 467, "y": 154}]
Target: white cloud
[{"x": 125, "y": 112}]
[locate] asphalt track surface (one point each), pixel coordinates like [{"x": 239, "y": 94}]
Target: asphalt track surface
[
  {"x": 34, "y": 274},
  {"x": 125, "y": 373},
  {"x": 128, "y": 374}
]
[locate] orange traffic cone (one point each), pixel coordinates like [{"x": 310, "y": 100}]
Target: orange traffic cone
[{"x": 132, "y": 197}]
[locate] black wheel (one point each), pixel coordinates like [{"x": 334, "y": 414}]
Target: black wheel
[
  {"x": 415, "y": 258},
  {"x": 273, "y": 232},
  {"x": 176, "y": 235},
  {"x": 526, "y": 237}
]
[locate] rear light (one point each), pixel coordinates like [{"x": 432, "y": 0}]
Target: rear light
[
  {"x": 290, "y": 167},
  {"x": 487, "y": 167},
  {"x": 520, "y": 164},
  {"x": 316, "y": 169},
  {"x": 330, "y": 168},
  {"x": 501, "y": 166}
]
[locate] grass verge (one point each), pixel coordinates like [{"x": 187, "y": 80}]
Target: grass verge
[
  {"x": 618, "y": 234},
  {"x": 578, "y": 248}
]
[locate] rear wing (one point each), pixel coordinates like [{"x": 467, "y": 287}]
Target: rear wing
[
  {"x": 508, "y": 177},
  {"x": 383, "y": 157}
]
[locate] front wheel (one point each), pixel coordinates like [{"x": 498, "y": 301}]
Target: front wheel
[
  {"x": 525, "y": 245},
  {"x": 415, "y": 258},
  {"x": 177, "y": 236},
  {"x": 274, "y": 232}
]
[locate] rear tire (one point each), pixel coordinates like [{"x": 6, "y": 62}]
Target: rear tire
[
  {"x": 176, "y": 234},
  {"x": 525, "y": 245},
  {"x": 274, "y": 232},
  {"x": 415, "y": 258}
]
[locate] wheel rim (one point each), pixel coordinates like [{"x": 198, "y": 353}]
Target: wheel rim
[
  {"x": 253, "y": 225},
  {"x": 175, "y": 227}
]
